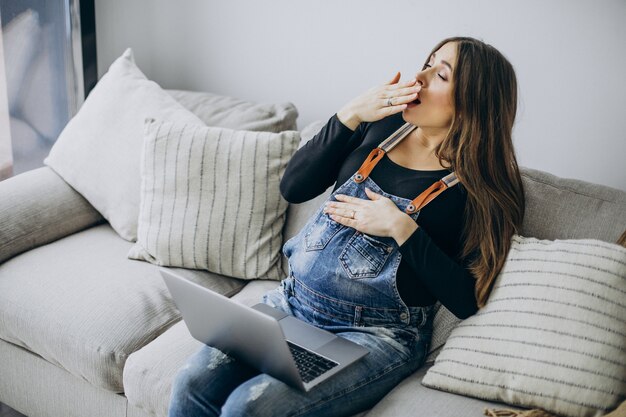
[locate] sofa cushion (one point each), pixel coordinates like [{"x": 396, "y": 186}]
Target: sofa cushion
[
  {"x": 235, "y": 113},
  {"x": 552, "y": 334},
  {"x": 150, "y": 371},
  {"x": 220, "y": 209},
  {"x": 81, "y": 304}
]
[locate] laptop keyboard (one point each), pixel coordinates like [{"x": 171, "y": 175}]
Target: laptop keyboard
[{"x": 310, "y": 365}]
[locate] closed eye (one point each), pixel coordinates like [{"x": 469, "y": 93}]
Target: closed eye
[{"x": 430, "y": 66}]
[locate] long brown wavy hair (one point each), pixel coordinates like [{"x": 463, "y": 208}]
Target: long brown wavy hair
[{"x": 479, "y": 148}]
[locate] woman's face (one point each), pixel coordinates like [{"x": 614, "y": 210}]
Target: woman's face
[{"x": 434, "y": 108}]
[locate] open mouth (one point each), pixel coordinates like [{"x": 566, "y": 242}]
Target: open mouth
[{"x": 416, "y": 102}]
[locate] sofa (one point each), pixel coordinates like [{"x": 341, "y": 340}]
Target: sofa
[{"x": 86, "y": 331}]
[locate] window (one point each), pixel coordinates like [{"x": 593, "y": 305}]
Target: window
[{"x": 45, "y": 75}]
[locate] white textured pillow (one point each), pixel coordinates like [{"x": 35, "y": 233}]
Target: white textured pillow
[
  {"x": 552, "y": 335},
  {"x": 210, "y": 199},
  {"x": 99, "y": 151}
]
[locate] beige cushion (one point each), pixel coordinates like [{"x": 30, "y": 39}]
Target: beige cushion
[
  {"x": 210, "y": 199},
  {"x": 98, "y": 152},
  {"x": 149, "y": 372},
  {"x": 83, "y": 306},
  {"x": 552, "y": 335},
  {"x": 235, "y": 113}
]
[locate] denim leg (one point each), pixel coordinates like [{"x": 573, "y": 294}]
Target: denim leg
[
  {"x": 356, "y": 388},
  {"x": 204, "y": 383}
]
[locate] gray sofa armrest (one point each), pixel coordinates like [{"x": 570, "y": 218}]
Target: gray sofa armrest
[{"x": 38, "y": 207}]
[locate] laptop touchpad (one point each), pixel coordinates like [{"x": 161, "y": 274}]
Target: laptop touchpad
[{"x": 304, "y": 334}]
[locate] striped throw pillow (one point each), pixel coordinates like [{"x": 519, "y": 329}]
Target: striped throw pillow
[
  {"x": 210, "y": 199},
  {"x": 552, "y": 335}
]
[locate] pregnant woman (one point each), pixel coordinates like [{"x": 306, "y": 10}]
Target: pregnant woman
[{"x": 427, "y": 197}]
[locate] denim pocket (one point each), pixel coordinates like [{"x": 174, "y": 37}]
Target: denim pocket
[
  {"x": 364, "y": 256},
  {"x": 321, "y": 232}
]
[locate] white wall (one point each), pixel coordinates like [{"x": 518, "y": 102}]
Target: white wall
[{"x": 569, "y": 56}]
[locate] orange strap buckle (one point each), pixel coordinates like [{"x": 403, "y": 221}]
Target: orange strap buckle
[
  {"x": 431, "y": 192},
  {"x": 369, "y": 164}
]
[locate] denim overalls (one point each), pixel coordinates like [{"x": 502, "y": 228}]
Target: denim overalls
[{"x": 340, "y": 280}]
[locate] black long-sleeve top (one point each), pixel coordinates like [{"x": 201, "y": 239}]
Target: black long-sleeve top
[{"x": 431, "y": 268}]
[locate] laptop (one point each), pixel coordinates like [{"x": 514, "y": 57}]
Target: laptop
[{"x": 275, "y": 343}]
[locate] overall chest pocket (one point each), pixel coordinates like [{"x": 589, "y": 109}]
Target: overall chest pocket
[
  {"x": 321, "y": 232},
  {"x": 364, "y": 256}
]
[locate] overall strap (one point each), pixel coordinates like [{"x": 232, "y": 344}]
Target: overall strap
[
  {"x": 396, "y": 137},
  {"x": 388, "y": 144},
  {"x": 378, "y": 152},
  {"x": 431, "y": 192}
]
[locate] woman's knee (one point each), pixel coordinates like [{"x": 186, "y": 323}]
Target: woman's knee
[
  {"x": 194, "y": 375},
  {"x": 185, "y": 379},
  {"x": 262, "y": 396}
]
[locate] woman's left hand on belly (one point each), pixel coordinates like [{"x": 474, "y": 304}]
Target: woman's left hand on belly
[{"x": 378, "y": 216}]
